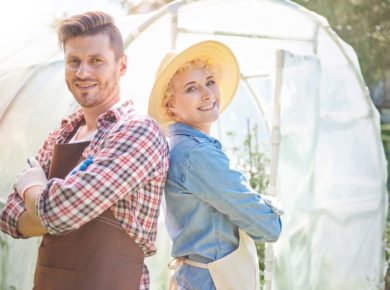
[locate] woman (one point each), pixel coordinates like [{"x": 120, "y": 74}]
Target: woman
[{"x": 207, "y": 201}]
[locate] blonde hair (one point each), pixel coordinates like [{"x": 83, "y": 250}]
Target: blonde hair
[{"x": 192, "y": 64}]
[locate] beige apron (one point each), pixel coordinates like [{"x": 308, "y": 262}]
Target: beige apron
[{"x": 236, "y": 271}]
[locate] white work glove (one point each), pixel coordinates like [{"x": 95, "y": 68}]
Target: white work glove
[
  {"x": 274, "y": 204},
  {"x": 29, "y": 177}
]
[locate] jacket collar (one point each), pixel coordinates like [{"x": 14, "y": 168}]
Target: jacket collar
[{"x": 183, "y": 129}]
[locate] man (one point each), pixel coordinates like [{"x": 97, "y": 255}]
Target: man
[{"x": 94, "y": 188}]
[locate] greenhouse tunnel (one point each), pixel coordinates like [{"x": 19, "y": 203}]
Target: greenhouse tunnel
[{"x": 301, "y": 92}]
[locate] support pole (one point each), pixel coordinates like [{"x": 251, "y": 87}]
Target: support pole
[{"x": 275, "y": 142}]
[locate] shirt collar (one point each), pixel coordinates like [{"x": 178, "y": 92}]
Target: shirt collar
[
  {"x": 183, "y": 129},
  {"x": 112, "y": 115},
  {"x": 115, "y": 113}
]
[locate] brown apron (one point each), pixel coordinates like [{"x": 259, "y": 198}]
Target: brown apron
[{"x": 99, "y": 255}]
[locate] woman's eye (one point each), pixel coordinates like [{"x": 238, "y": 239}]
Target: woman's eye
[
  {"x": 191, "y": 89},
  {"x": 210, "y": 83}
]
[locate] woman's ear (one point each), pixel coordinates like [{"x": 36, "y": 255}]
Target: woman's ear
[
  {"x": 170, "y": 108},
  {"x": 170, "y": 105}
]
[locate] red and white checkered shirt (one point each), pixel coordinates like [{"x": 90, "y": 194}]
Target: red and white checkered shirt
[{"x": 130, "y": 163}]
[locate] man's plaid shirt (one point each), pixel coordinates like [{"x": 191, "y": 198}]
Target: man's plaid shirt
[{"x": 130, "y": 163}]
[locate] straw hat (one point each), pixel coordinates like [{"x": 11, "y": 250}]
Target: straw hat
[{"x": 218, "y": 55}]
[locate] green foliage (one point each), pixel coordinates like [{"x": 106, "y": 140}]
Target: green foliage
[
  {"x": 365, "y": 25},
  {"x": 385, "y": 128},
  {"x": 251, "y": 160},
  {"x": 3, "y": 261}
]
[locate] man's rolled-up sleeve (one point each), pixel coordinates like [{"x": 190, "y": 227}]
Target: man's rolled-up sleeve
[
  {"x": 9, "y": 216},
  {"x": 128, "y": 159}
]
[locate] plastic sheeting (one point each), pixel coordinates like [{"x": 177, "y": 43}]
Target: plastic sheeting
[
  {"x": 328, "y": 181},
  {"x": 332, "y": 170}
]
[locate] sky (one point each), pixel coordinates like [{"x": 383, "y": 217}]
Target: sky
[{"x": 26, "y": 19}]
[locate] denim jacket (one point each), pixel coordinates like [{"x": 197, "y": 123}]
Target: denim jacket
[{"x": 206, "y": 202}]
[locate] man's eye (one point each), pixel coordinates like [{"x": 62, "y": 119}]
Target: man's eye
[
  {"x": 96, "y": 60},
  {"x": 73, "y": 61}
]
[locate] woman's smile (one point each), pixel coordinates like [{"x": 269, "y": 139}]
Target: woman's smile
[{"x": 207, "y": 108}]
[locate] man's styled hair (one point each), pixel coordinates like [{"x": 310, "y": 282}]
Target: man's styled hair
[{"x": 88, "y": 24}]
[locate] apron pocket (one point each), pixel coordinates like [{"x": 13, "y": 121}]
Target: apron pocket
[
  {"x": 47, "y": 278},
  {"x": 123, "y": 274},
  {"x": 72, "y": 238}
]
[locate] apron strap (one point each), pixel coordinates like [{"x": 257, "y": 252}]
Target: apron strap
[{"x": 177, "y": 262}]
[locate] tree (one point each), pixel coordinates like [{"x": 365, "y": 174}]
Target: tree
[{"x": 365, "y": 25}]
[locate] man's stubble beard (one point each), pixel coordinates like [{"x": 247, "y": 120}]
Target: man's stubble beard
[{"x": 108, "y": 91}]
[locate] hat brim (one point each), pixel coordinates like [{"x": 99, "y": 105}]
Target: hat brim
[{"x": 218, "y": 55}]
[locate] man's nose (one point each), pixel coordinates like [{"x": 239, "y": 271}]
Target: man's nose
[{"x": 82, "y": 71}]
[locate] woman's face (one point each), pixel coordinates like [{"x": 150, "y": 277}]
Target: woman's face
[{"x": 195, "y": 98}]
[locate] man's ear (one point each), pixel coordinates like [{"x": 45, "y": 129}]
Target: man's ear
[{"x": 123, "y": 64}]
